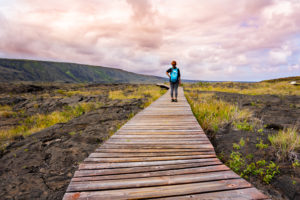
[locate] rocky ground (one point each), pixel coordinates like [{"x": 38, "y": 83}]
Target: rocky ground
[
  {"x": 275, "y": 112},
  {"x": 41, "y": 165}
]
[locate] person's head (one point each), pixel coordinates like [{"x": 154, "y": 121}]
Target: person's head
[{"x": 173, "y": 63}]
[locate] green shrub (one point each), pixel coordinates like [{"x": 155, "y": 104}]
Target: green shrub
[
  {"x": 242, "y": 142},
  {"x": 72, "y": 133},
  {"x": 261, "y": 169},
  {"x": 236, "y": 162},
  {"x": 260, "y": 130},
  {"x": 261, "y": 145},
  {"x": 244, "y": 126},
  {"x": 296, "y": 164},
  {"x": 236, "y": 146}
]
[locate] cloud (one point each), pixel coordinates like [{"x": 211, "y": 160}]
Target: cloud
[
  {"x": 211, "y": 40},
  {"x": 294, "y": 67},
  {"x": 280, "y": 56}
]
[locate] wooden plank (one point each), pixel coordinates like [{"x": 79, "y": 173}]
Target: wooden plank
[
  {"x": 193, "y": 170},
  {"x": 145, "y": 132},
  {"x": 145, "y": 142},
  {"x": 141, "y": 164},
  {"x": 146, "y": 159},
  {"x": 162, "y": 131},
  {"x": 180, "y": 136},
  {"x": 116, "y": 171},
  {"x": 150, "y": 181},
  {"x": 111, "y": 150},
  {"x": 239, "y": 194},
  {"x": 153, "y": 146},
  {"x": 161, "y": 191},
  {"x": 158, "y": 139},
  {"x": 151, "y": 154},
  {"x": 160, "y": 123}
]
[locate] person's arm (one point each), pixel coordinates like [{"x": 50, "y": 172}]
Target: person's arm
[
  {"x": 168, "y": 71},
  {"x": 179, "y": 77},
  {"x": 168, "y": 74}
]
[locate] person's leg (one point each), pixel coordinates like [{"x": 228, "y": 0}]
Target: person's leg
[
  {"x": 172, "y": 89},
  {"x": 176, "y": 90}
]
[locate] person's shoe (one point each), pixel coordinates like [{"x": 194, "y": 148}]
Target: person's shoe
[
  {"x": 172, "y": 100},
  {"x": 175, "y": 100}
]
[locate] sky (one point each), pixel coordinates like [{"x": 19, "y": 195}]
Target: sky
[{"x": 220, "y": 40}]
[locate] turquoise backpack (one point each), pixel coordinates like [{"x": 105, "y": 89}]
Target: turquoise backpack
[{"x": 174, "y": 75}]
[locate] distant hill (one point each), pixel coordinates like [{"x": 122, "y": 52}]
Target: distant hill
[
  {"x": 292, "y": 78},
  {"x": 12, "y": 70}
]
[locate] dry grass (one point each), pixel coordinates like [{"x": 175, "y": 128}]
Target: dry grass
[
  {"x": 212, "y": 113},
  {"x": 151, "y": 91},
  {"x": 38, "y": 122},
  {"x": 280, "y": 88},
  {"x": 286, "y": 142},
  {"x": 79, "y": 92},
  {"x": 6, "y": 111}
]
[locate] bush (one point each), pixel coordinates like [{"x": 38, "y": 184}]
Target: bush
[
  {"x": 261, "y": 145},
  {"x": 261, "y": 169},
  {"x": 236, "y": 162}
]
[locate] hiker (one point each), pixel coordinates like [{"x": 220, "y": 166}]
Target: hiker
[{"x": 174, "y": 75}]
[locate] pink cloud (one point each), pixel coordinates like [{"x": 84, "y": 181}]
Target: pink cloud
[{"x": 204, "y": 37}]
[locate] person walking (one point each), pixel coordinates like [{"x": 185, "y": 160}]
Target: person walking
[{"x": 174, "y": 77}]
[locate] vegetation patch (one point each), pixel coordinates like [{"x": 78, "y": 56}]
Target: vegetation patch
[
  {"x": 213, "y": 113},
  {"x": 37, "y": 122},
  {"x": 265, "y": 171},
  {"x": 152, "y": 92},
  {"x": 276, "y": 88},
  {"x": 70, "y": 93},
  {"x": 6, "y": 111},
  {"x": 286, "y": 142}
]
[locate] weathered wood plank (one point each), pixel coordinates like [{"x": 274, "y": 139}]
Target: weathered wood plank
[
  {"x": 156, "y": 146},
  {"x": 151, "y": 154},
  {"x": 145, "y": 159},
  {"x": 116, "y": 171},
  {"x": 239, "y": 194},
  {"x": 161, "y": 191},
  {"x": 140, "y": 164},
  {"x": 145, "y": 142},
  {"x": 150, "y": 181},
  {"x": 145, "y": 132},
  {"x": 192, "y": 170},
  {"x": 163, "y": 136},
  {"x": 111, "y": 150}
]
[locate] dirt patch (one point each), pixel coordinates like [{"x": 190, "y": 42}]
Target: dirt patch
[
  {"x": 276, "y": 112},
  {"x": 41, "y": 166}
]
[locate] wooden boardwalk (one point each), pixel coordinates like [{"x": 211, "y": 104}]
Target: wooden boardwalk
[{"x": 161, "y": 153}]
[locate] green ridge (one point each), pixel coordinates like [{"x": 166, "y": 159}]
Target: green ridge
[{"x": 44, "y": 71}]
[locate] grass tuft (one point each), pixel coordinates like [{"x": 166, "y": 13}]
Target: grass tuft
[
  {"x": 285, "y": 142},
  {"x": 213, "y": 113}
]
